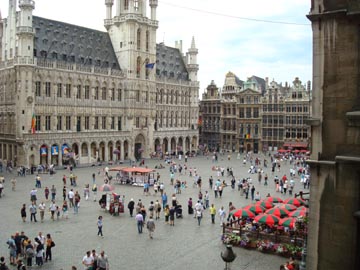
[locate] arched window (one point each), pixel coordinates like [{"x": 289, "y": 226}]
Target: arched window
[
  {"x": 138, "y": 66},
  {"x": 126, "y": 4},
  {"x": 138, "y": 39},
  {"x": 147, "y": 40}
]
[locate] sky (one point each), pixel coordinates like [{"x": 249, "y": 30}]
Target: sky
[{"x": 259, "y": 37}]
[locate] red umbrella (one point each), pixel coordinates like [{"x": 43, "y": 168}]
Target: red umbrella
[
  {"x": 255, "y": 208},
  {"x": 244, "y": 213},
  {"x": 279, "y": 212},
  {"x": 296, "y": 151},
  {"x": 267, "y": 219},
  {"x": 295, "y": 201},
  {"x": 288, "y": 222},
  {"x": 281, "y": 151},
  {"x": 303, "y": 151},
  {"x": 274, "y": 199},
  {"x": 106, "y": 188},
  {"x": 297, "y": 213},
  {"x": 302, "y": 208},
  {"x": 265, "y": 204},
  {"x": 289, "y": 207}
]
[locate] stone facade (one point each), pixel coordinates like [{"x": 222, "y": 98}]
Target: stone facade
[
  {"x": 69, "y": 92},
  {"x": 334, "y": 225},
  {"x": 256, "y": 115}
]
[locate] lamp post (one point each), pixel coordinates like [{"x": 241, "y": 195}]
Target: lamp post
[{"x": 228, "y": 256}]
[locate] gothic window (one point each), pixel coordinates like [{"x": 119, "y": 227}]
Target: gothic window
[
  {"x": 248, "y": 129},
  {"x": 59, "y": 123},
  {"x": 119, "y": 123},
  {"x": 172, "y": 119},
  {"x": 87, "y": 122},
  {"x": 47, "y": 122},
  {"x": 126, "y": 4},
  {"x": 87, "y": 91},
  {"x": 38, "y": 88},
  {"x": 96, "y": 94},
  {"x": 147, "y": 40},
  {"x": 59, "y": 90},
  {"x": 68, "y": 90},
  {"x": 78, "y": 92},
  {"x": 138, "y": 66},
  {"x": 119, "y": 94},
  {"x": 137, "y": 95},
  {"x": 103, "y": 93},
  {"x": 136, "y": 5},
  {"x": 256, "y": 130},
  {"x": 103, "y": 122},
  {"x": 138, "y": 39},
  {"x": 112, "y": 94},
  {"x": 37, "y": 122},
  {"x": 68, "y": 122},
  {"x": 96, "y": 122},
  {"x": 48, "y": 89}
]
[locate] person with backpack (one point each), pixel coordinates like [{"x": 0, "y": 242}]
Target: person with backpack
[{"x": 29, "y": 253}]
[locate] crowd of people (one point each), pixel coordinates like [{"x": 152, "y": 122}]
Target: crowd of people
[{"x": 44, "y": 199}]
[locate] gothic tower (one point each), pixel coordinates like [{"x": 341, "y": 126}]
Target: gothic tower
[
  {"x": 25, "y": 32},
  {"x": 192, "y": 64},
  {"x": 133, "y": 35}
]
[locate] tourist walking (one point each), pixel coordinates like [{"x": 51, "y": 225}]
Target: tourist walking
[
  {"x": 222, "y": 215},
  {"x": 53, "y": 192},
  {"x": 49, "y": 245},
  {"x": 131, "y": 206},
  {"x": 100, "y": 226},
  {"x": 47, "y": 192},
  {"x": 172, "y": 216},
  {"x": 42, "y": 208},
  {"x": 102, "y": 261},
  {"x": 150, "y": 225},
  {"x": 23, "y": 212},
  {"x": 33, "y": 212},
  {"x": 157, "y": 209},
  {"x": 212, "y": 213},
  {"x": 139, "y": 221},
  {"x": 65, "y": 210},
  {"x": 52, "y": 210}
]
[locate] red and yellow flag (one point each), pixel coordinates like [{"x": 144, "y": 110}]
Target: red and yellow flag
[{"x": 33, "y": 123}]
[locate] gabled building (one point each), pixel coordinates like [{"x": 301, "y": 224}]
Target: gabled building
[{"x": 70, "y": 91}]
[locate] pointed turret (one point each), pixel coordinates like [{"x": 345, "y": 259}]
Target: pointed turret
[
  {"x": 192, "y": 64},
  {"x": 25, "y": 31},
  {"x": 153, "y": 5},
  {"x": 109, "y": 4}
]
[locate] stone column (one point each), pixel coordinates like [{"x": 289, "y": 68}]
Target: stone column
[{"x": 106, "y": 152}]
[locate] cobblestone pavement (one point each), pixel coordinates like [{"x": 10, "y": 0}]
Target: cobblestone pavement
[{"x": 186, "y": 245}]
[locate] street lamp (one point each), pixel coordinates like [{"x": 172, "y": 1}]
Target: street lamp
[{"x": 228, "y": 256}]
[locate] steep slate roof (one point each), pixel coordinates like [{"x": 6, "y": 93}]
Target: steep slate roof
[
  {"x": 61, "y": 41},
  {"x": 170, "y": 63},
  {"x": 261, "y": 82}
]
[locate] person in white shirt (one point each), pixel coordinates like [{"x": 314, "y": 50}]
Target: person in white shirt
[
  {"x": 88, "y": 261},
  {"x": 42, "y": 208},
  {"x": 71, "y": 195},
  {"x": 222, "y": 215},
  {"x": 52, "y": 210}
]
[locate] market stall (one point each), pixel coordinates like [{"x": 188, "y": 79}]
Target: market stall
[{"x": 136, "y": 176}]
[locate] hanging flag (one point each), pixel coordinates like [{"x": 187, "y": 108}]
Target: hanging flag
[
  {"x": 150, "y": 65},
  {"x": 33, "y": 123}
]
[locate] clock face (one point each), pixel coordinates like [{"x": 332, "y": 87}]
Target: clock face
[{"x": 30, "y": 99}]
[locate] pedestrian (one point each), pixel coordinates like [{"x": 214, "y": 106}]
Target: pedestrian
[
  {"x": 150, "y": 225},
  {"x": 13, "y": 184},
  {"x": 88, "y": 260},
  {"x": 33, "y": 195},
  {"x": 93, "y": 178},
  {"x": 29, "y": 253},
  {"x": 131, "y": 206},
  {"x": 42, "y": 208},
  {"x": 151, "y": 209},
  {"x": 166, "y": 214},
  {"x": 257, "y": 196},
  {"x": 52, "y": 209},
  {"x": 71, "y": 195},
  {"x": 199, "y": 214},
  {"x": 53, "y": 192},
  {"x": 47, "y": 192},
  {"x": 100, "y": 226},
  {"x": 64, "y": 179},
  {"x": 222, "y": 215},
  {"x": 3, "y": 265},
  {"x": 172, "y": 216},
  {"x": 33, "y": 212},
  {"x": 94, "y": 190},
  {"x": 220, "y": 190},
  {"x": 164, "y": 199},
  {"x": 139, "y": 221},
  {"x": 190, "y": 206},
  {"x": 206, "y": 199},
  {"x": 49, "y": 245},
  {"x": 39, "y": 252},
  {"x": 102, "y": 261},
  {"x": 20, "y": 265},
  {"x": 12, "y": 249},
  {"x": 212, "y": 213},
  {"x": 252, "y": 192},
  {"x": 65, "y": 209},
  {"x": 76, "y": 202},
  {"x": 157, "y": 209},
  {"x": 23, "y": 212},
  {"x": 211, "y": 182}
]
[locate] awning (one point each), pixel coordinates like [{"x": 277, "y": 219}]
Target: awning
[{"x": 296, "y": 144}]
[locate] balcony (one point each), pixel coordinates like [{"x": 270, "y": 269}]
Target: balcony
[{"x": 25, "y": 30}]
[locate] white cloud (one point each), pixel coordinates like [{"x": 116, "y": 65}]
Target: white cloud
[{"x": 225, "y": 43}]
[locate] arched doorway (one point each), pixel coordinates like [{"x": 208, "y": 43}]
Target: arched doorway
[
  {"x": 75, "y": 152},
  {"x": 180, "y": 146},
  {"x": 126, "y": 149},
  {"x": 93, "y": 152},
  {"x": 55, "y": 154},
  {"x": 194, "y": 142},
  {"x": 117, "y": 150},
  {"x": 102, "y": 151},
  {"x": 187, "y": 144},
  {"x": 165, "y": 146},
  {"x": 139, "y": 147},
  {"x": 173, "y": 146},
  {"x": 111, "y": 149},
  {"x": 84, "y": 150},
  {"x": 157, "y": 147},
  {"x": 32, "y": 160},
  {"x": 44, "y": 154},
  {"x": 248, "y": 148}
]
